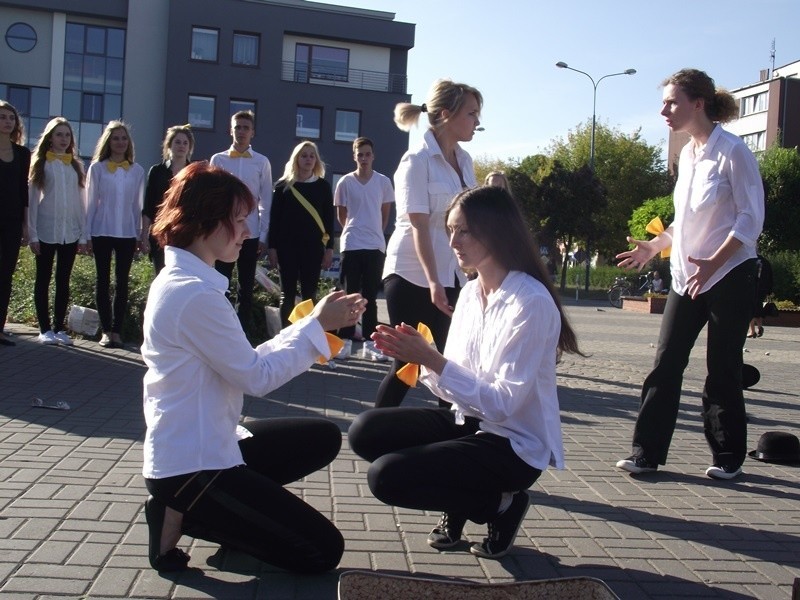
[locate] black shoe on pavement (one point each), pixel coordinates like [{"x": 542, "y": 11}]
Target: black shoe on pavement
[
  {"x": 503, "y": 529},
  {"x": 637, "y": 465},
  {"x": 447, "y": 532}
]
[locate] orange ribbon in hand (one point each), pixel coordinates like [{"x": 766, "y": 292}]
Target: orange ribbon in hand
[
  {"x": 304, "y": 309},
  {"x": 656, "y": 227},
  {"x": 409, "y": 373}
]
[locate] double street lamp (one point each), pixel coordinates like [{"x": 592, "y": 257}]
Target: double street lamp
[{"x": 562, "y": 65}]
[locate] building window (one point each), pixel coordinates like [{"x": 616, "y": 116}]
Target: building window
[
  {"x": 237, "y": 105},
  {"x": 757, "y": 142},
  {"x": 94, "y": 72},
  {"x": 245, "y": 49},
  {"x": 321, "y": 62},
  {"x": 21, "y": 37},
  {"x": 309, "y": 120},
  {"x": 201, "y": 112},
  {"x": 753, "y": 104},
  {"x": 204, "y": 44},
  {"x": 348, "y": 123},
  {"x": 33, "y": 105}
]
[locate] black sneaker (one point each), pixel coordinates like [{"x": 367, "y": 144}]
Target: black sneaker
[
  {"x": 636, "y": 465},
  {"x": 447, "y": 532},
  {"x": 723, "y": 471},
  {"x": 503, "y": 529}
]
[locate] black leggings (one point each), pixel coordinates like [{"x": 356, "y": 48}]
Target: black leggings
[
  {"x": 246, "y": 508},
  {"x": 41, "y": 288},
  {"x": 422, "y": 460},
  {"x": 124, "y": 249},
  {"x": 411, "y": 304},
  {"x": 10, "y": 238},
  {"x": 246, "y": 274},
  {"x": 301, "y": 264}
]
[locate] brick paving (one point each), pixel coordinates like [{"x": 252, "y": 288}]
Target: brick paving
[{"x": 71, "y": 493}]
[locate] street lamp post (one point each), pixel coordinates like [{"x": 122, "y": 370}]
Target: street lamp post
[{"x": 563, "y": 65}]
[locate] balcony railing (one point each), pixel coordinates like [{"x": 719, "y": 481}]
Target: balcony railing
[{"x": 394, "y": 83}]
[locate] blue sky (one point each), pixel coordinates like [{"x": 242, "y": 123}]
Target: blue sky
[{"x": 508, "y": 50}]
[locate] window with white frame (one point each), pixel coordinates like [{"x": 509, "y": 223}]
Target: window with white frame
[
  {"x": 348, "y": 123},
  {"x": 309, "y": 122},
  {"x": 201, "y": 112},
  {"x": 753, "y": 104},
  {"x": 757, "y": 142},
  {"x": 204, "y": 44},
  {"x": 245, "y": 49}
]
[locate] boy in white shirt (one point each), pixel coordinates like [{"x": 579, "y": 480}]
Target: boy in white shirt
[{"x": 363, "y": 201}]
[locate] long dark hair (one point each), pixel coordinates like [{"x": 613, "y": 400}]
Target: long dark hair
[
  {"x": 495, "y": 219},
  {"x": 40, "y": 153}
]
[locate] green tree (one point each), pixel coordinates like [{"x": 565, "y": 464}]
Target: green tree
[
  {"x": 568, "y": 202},
  {"x": 484, "y": 165},
  {"x": 780, "y": 170},
  {"x": 629, "y": 168}
]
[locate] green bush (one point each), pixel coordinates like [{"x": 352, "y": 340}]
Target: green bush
[
  {"x": 82, "y": 286},
  {"x": 786, "y": 275},
  {"x": 602, "y": 277}
]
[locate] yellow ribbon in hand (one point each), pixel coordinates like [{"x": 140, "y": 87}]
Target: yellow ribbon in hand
[
  {"x": 409, "y": 373},
  {"x": 656, "y": 227},
  {"x": 112, "y": 166},
  {"x": 64, "y": 158},
  {"x": 304, "y": 309},
  {"x": 235, "y": 154}
]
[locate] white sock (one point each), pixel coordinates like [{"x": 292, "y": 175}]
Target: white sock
[{"x": 505, "y": 502}]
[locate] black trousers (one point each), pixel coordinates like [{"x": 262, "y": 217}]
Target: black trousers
[
  {"x": 361, "y": 272},
  {"x": 299, "y": 264},
  {"x": 103, "y": 247},
  {"x": 726, "y": 308},
  {"x": 422, "y": 460},
  {"x": 247, "y": 508},
  {"x": 411, "y": 304},
  {"x": 246, "y": 265},
  {"x": 64, "y": 255},
  {"x": 10, "y": 238}
]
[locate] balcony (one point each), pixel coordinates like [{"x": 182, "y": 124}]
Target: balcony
[{"x": 360, "y": 79}]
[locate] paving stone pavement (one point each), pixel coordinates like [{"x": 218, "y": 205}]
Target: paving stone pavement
[{"x": 71, "y": 493}]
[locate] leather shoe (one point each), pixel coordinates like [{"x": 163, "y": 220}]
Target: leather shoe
[{"x": 172, "y": 560}]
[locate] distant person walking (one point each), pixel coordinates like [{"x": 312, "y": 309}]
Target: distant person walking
[
  {"x": 301, "y": 226},
  {"x": 421, "y": 276},
  {"x": 15, "y": 162},
  {"x": 255, "y": 171},
  {"x": 763, "y": 289},
  {"x": 363, "y": 202},
  {"x": 56, "y": 221},
  {"x": 176, "y": 150},
  {"x": 115, "y": 193},
  {"x": 498, "y": 179},
  {"x": 719, "y": 213}
]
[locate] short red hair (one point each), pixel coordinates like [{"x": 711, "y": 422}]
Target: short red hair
[{"x": 200, "y": 198}]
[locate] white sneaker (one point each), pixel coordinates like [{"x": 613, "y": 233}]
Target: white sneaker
[
  {"x": 346, "y": 350},
  {"x": 370, "y": 352},
  {"x": 63, "y": 338},
  {"x": 48, "y": 337}
]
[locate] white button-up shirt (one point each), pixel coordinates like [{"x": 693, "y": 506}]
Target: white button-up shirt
[
  {"x": 718, "y": 194},
  {"x": 114, "y": 201},
  {"x": 501, "y": 366},
  {"x": 57, "y": 211},
  {"x": 426, "y": 183},
  {"x": 256, "y": 173},
  {"x": 363, "y": 229},
  {"x": 199, "y": 363}
]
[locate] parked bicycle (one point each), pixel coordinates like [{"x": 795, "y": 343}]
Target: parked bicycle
[{"x": 624, "y": 286}]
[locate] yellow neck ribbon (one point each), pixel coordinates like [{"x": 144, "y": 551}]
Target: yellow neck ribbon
[
  {"x": 335, "y": 344},
  {"x": 113, "y": 166},
  {"x": 656, "y": 227},
  {"x": 409, "y": 373},
  {"x": 64, "y": 158},
  {"x": 245, "y": 154}
]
